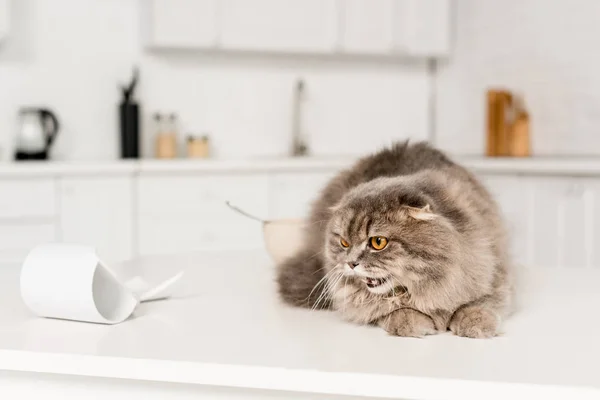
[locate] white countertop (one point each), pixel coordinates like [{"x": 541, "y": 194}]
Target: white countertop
[
  {"x": 534, "y": 166},
  {"x": 226, "y": 327}
]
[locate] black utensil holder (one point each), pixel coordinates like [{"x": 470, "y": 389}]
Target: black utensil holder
[{"x": 130, "y": 135}]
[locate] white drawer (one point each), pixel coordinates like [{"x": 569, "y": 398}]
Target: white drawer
[
  {"x": 169, "y": 234},
  {"x": 16, "y": 240},
  {"x": 27, "y": 198},
  {"x": 203, "y": 195}
]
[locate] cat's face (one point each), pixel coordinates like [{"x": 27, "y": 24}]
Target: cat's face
[{"x": 385, "y": 239}]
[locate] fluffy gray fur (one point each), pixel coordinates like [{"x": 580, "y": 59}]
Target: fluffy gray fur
[{"x": 445, "y": 266}]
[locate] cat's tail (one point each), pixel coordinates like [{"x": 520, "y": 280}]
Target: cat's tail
[{"x": 301, "y": 281}]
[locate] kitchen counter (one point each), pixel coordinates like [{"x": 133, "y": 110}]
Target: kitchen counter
[
  {"x": 226, "y": 328},
  {"x": 534, "y": 166}
]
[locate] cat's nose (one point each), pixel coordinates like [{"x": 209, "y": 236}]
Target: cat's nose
[{"x": 352, "y": 264}]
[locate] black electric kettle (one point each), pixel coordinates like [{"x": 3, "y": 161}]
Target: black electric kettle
[{"x": 38, "y": 128}]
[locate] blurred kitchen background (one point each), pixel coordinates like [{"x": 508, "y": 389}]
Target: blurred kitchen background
[{"x": 261, "y": 101}]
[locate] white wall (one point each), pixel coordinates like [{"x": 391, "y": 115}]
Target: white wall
[
  {"x": 71, "y": 54},
  {"x": 547, "y": 49}
]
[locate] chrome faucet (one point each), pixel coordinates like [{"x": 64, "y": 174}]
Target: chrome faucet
[{"x": 299, "y": 145}]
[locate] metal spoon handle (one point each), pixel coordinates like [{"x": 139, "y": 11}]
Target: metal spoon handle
[{"x": 244, "y": 213}]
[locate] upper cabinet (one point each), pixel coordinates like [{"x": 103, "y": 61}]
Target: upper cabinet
[
  {"x": 279, "y": 25},
  {"x": 419, "y": 28},
  {"x": 182, "y": 23},
  {"x": 4, "y": 18},
  {"x": 422, "y": 27},
  {"x": 367, "y": 26}
]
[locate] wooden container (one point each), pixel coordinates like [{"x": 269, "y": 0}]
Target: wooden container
[
  {"x": 197, "y": 147},
  {"x": 520, "y": 145},
  {"x": 507, "y": 125},
  {"x": 499, "y": 109},
  {"x": 503, "y": 123},
  {"x": 166, "y": 145},
  {"x": 492, "y": 116}
]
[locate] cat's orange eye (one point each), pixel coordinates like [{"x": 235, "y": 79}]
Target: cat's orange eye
[
  {"x": 378, "y": 242},
  {"x": 344, "y": 243}
]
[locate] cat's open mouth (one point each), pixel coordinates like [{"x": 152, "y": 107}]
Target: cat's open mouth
[{"x": 374, "y": 282}]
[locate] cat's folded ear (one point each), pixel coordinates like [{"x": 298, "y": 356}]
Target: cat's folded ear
[{"x": 421, "y": 213}]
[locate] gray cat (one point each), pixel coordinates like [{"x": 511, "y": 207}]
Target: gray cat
[{"x": 407, "y": 240}]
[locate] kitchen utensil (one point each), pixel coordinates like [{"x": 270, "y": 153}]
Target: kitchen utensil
[
  {"x": 299, "y": 145},
  {"x": 38, "y": 128},
  {"x": 129, "y": 119}
]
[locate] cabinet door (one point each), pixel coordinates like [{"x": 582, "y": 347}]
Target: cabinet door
[
  {"x": 183, "y": 23},
  {"x": 279, "y": 25},
  {"x": 98, "y": 212},
  {"x": 18, "y": 238},
  {"x": 4, "y": 18},
  {"x": 188, "y": 213},
  {"x": 514, "y": 197},
  {"x": 422, "y": 27},
  {"x": 562, "y": 217},
  {"x": 292, "y": 194},
  {"x": 28, "y": 198},
  {"x": 552, "y": 221},
  {"x": 367, "y": 26}
]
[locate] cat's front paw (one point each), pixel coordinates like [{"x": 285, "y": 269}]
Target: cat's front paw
[
  {"x": 408, "y": 322},
  {"x": 475, "y": 322}
]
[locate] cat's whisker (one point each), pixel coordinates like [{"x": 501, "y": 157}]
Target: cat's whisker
[
  {"x": 345, "y": 293},
  {"x": 336, "y": 282},
  {"x": 323, "y": 293},
  {"x": 326, "y": 290},
  {"x": 321, "y": 281}
]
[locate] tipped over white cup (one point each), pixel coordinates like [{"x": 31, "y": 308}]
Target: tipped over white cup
[{"x": 69, "y": 281}]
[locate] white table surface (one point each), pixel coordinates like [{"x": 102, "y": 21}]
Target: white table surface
[{"x": 226, "y": 328}]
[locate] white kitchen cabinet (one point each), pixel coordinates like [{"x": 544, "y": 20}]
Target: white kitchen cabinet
[
  {"x": 515, "y": 199},
  {"x": 28, "y": 214},
  {"x": 182, "y": 23},
  {"x": 291, "y": 195},
  {"x": 4, "y": 18},
  {"x": 28, "y": 198},
  {"x": 367, "y": 26},
  {"x": 98, "y": 211},
  {"x": 188, "y": 213},
  {"x": 562, "y": 212},
  {"x": 418, "y": 28},
  {"x": 552, "y": 221},
  {"x": 422, "y": 27},
  {"x": 279, "y": 25},
  {"x": 17, "y": 238}
]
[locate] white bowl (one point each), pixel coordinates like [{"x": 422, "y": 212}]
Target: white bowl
[{"x": 283, "y": 237}]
